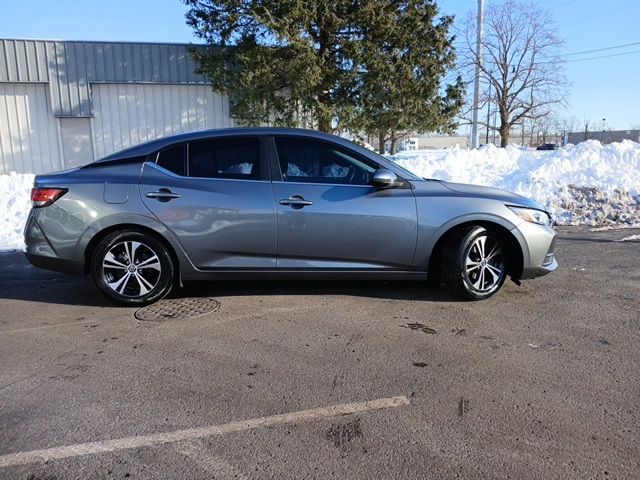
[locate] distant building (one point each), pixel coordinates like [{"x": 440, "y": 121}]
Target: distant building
[
  {"x": 67, "y": 103},
  {"x": 426, "y": 143},
  {"x": 607, "y": 136}
]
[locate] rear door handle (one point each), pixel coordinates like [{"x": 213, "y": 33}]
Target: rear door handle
[
  {"x": 163, "y": 194},
  {"x": 295, "y": 201}
]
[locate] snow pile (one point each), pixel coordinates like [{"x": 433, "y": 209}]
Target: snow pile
[
  {"x": 584, "y": 184},
  {"x": 15, "y": 203}
]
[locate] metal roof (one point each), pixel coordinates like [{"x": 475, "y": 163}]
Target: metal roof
[{"x": 71, "y": 66}]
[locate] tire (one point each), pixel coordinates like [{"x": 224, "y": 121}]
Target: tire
[
  {"x": 149, "y": 276},
  {"x": 474, "y": 263}
]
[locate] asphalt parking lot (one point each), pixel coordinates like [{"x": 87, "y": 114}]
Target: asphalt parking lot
[{"x": 320, "y": 380}]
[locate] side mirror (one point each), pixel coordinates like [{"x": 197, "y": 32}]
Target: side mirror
[{"x": 383, "y": 178}]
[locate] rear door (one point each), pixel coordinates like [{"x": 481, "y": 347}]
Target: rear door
[
  {"x": 329, "y": 215},
  {"x": 215, "y": 195}
]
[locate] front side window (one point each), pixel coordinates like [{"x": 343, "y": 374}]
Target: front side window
[
  {"x": 313, "y": 161},
  {"x": 235, "y": 158}
]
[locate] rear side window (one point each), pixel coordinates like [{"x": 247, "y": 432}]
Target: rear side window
[
  {"x": 173, "y": 159},
  {"x": 235, "y": 158}
]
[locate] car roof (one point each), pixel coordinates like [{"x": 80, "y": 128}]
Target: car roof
[
  {"x": 146, "y": 148},
  {"x": 142, "y": 150}
]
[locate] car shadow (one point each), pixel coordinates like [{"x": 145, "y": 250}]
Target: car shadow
[
  {"x": 392, "y": 290},
  {"x": 19, "y": 280}
]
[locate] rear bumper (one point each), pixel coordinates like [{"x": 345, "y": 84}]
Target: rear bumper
[
  {"x": 56, "y": 264},
  {"x": 41, "y": 253}
]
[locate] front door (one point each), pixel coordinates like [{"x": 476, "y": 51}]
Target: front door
[
  {"x": 329, "y": 215},
  {"x": 215, "y": 196}
]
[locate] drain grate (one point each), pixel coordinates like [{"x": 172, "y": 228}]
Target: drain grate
[{"x": 177, "y": 308}]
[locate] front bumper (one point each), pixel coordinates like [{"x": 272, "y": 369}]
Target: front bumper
[
  {"x": 538, "y": 243},
  {"x": 534, "y": 272}
]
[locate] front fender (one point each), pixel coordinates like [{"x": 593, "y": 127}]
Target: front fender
[{"x": 434, "y": 223}]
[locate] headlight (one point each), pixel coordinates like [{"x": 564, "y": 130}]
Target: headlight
[{"x": 532, "y": 215}]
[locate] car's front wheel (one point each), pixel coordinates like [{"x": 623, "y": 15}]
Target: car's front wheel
[
  {"x": 132, "y": 268},
  {"x": 474, "y": 263}
]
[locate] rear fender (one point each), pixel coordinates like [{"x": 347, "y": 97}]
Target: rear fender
[{"x": 131, "y": 221}]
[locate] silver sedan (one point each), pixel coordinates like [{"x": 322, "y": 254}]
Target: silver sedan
[{"x": 277, "y": 203}]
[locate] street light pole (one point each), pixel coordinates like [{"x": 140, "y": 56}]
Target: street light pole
[{"x": 475, "y": 140}]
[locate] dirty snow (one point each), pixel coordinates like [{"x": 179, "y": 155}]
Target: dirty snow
[
  {"x": 585, "y": 184},
  {"x": 612, "y": 227},
  {"x": 630, "y": 238}
]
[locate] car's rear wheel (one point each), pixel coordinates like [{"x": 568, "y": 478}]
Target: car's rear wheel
[
  {"x": 475, "y": 263},
  {"x": 132, "y": 268}
]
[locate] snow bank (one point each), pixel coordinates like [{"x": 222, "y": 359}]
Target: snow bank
[
  {"x": 15, "y": 203},
  {"x": 584, "y": 184}
]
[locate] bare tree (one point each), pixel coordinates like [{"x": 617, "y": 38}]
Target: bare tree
[
  {"x": 569, "y": 124},
  {"x": 520, "y": 68},
  {"x": 587, "y": 124},
  {"x": 548, "y": 127}
]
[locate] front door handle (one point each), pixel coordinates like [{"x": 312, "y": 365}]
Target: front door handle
[
  {"x": 163, "y": 194},
  {"x": 295, "y": 201}
]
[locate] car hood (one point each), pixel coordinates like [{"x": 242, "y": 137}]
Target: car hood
[{"x": 478, "y": 191}]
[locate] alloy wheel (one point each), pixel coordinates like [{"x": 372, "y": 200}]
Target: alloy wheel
[
  {"x": 484, "y": 264},
  {"x": 131, "y": 269}
]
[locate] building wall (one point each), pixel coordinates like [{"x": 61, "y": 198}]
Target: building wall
[
  {"x": 608, "y": 136},
  {"x": 64, "y": 104},
  {"x": 70, "y": 67},
  {"x": 128, "y": 114},
  {"x": 420, "y": 143},
  {"x": 29, "y": 139}
]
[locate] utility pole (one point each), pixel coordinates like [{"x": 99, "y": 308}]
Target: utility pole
[
  {"x": 494, "y": 126},
  {"x": 488, "y": 112},
  {"x": 475, "y": 139}
]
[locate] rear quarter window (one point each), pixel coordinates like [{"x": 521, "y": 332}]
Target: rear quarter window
[
  {"x": 173, "y": 159},
  {"x": 116, "y": 161}
]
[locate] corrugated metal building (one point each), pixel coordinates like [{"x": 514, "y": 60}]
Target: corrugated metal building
[{"x": 66, "y": 103}]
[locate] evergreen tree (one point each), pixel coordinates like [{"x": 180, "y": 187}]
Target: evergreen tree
[
  {"x": 405, "y": 57},
  {"x": 370, "y": 64}
]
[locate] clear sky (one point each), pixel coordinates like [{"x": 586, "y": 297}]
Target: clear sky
[{"x": 601, "y": 88}]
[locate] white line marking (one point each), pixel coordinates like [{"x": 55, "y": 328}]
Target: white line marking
[
  {"x": 105, "y": 446},
  {"x": 215, "y": 466}
]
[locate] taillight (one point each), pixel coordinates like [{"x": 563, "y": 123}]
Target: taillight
[{"x": 43, "y": 197}]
